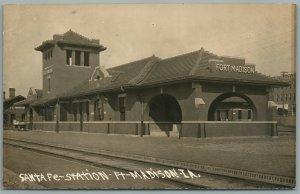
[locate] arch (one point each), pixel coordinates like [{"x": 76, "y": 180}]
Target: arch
[
  {"x": 246, "y": 105},
  {"x": 164, "y": 108}
]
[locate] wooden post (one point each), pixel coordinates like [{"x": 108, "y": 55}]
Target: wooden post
[{"x": 142, "y": 128}]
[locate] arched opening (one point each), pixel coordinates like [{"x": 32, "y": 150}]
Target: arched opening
[
  {"x": 165, "y": 108},
  {"x": 232, "y": 107}
]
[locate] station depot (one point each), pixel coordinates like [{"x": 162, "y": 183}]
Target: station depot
[{"x": 197, "y": 94}]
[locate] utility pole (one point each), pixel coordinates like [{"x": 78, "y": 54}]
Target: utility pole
[{"x": 283, "y": 93}]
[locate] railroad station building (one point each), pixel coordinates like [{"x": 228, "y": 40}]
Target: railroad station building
[{"x": 197, "y": 94}]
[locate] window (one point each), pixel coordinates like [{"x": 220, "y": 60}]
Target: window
[
  {"x": 75, "y": 111},
  {"x": 87, "y": 111},
  {"x": 239, "y": 114},
  {"x": 86, "y": 59},
  {"x": 294, "y": 96},
  {"x": 49, "y": 84},
  {"x": 249, "y": 114},
  {"x": 227, "y": 115},
  {"x": 49, "y": 113},
  {"x": 63, "y": 113},
  {"x": 12, "y": 118},
  {"x": 122, "y": 108},
  {"x": 77, "y": 58},
  {"x": 23, "y": 117},
  {"x": 69, "y": 57}
]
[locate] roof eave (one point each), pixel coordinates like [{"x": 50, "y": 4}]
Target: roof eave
[
  {"x": 44, "y": 46},
  {"x": 98, "y": 47}
]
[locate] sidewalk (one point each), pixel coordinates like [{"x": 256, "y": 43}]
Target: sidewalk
[{"x": 266, "y": 155}]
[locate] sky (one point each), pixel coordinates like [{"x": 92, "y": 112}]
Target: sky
[{"x": 262, "y": 34}]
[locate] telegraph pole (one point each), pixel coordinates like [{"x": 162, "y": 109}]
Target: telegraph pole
[{"x": 283, "y": 94}]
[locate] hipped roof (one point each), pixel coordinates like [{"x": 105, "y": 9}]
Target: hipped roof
[{"x": 153, "y": 71}]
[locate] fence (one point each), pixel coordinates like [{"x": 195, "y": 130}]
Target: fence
[{"x": 199, "y": 129}]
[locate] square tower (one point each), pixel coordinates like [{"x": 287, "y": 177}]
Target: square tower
[{"x": 68, "y": 60}]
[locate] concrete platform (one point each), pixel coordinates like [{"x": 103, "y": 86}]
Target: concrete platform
[{"x": 266, "y": 155}]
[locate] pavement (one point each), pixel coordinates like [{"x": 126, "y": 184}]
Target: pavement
[{"x": 257, "y": 154}]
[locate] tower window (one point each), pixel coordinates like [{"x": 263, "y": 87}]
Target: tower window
[
  {"x": 69, "y": 57},
  {"x": 77, "y": 58},
  {"x": 86, "y": 59}
]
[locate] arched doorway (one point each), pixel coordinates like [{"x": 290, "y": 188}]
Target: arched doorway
[
  {"x": 232, "y": 107},
  {"x": 165, "y": 108}
]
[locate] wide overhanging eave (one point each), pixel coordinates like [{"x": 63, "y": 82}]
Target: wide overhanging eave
[{"x": 45, "y": 46}]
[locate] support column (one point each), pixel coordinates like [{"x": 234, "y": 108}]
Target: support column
[
  {"x": 91, "y": 110},
  {"x": 81, "y": 58},
  {"x": 199, "y": 101},
  {"x": 141, "y": 100}
]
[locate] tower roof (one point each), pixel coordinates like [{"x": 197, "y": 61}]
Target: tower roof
[{"x": 71, "y": 38}]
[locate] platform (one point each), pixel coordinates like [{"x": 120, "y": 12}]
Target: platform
[{"x": 261, "y": 154}]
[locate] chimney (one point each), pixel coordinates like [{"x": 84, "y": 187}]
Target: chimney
[
  {"x": 3, "y": 95},
  {"x": 12, "y": 92}
]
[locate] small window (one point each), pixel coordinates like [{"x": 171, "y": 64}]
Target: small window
[
  {"x": 69, "y": 57},
  {"x": 77, "y": 58},
  {"x": 86, "y": 59}
]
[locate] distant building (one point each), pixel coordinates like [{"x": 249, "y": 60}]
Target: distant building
[
  {"x": 285, "y": 97},
  {"x": 12, "y": 113}
]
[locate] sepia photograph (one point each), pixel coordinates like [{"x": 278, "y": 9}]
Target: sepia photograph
[{"x": 149, "y": 96}]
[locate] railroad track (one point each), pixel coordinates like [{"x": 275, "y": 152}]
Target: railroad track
[{"x": 130, "y": 164}]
